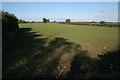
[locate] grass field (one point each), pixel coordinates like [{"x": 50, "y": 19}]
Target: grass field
[
  {"x": 94, "y": 39},
  {"x": 41, "y": 50}
]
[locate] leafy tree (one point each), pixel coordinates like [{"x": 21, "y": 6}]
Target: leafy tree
[
  {"x": 54, "y": 21},
  {"x": 33, "y": 22},
  {"x": 102, "y": 23},
  {"x": 67, "y": 20},
  {"x": 44, "y": 20},
  {"x": 93, "y": 21},
  {"x": 22, "y": 21},
  {"x": 48, "y": 20}
]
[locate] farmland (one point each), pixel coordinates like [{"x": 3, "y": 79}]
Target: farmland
[
  {"x": 60, "y": 40},
  {"x": 56, "y": 50},
  {"x": 94, "y": 39}
]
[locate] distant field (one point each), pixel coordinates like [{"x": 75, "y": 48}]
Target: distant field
[{"x": 96, "y": 40}]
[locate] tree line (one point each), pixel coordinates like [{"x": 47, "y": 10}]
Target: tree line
[
  {"x": 44, "y": 21},
  {"x": 68, "y": 21},
  {"x": 93, "y": 23},
  {"x": 10, "y": 23}
]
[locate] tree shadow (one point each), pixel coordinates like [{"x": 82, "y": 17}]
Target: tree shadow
[
  {"x": 28, "y": 57},
  {"x": 108, "y": 65},
  {"x": 81, "y": 65},
  {"x": 111, "y": 62}
]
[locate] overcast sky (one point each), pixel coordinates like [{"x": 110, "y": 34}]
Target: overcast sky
[{"x": 59, "y": 11}]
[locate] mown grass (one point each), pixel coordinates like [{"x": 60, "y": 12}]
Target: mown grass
[{"x": 61, "y": 51}]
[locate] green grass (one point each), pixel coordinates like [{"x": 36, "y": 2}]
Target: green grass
[
  {"x": 91, "y": 38},
  {"x": 41, "y": 50}
]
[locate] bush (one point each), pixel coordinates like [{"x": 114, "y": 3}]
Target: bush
[
  {"x": 67, "y": 20},
  {"x": 9, "y": 23},
  {"x": 22, "y": 21},
  {"x": 102, "y": 23}
]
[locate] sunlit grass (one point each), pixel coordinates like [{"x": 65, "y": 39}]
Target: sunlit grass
[
  {"x": 59, "y": 50},
  {"x": 92, "y": 38}
]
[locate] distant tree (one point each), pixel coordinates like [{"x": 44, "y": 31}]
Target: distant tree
[
  {"x": 27, "y": 21},
  {"x": 22, "y": 21},
  {"x": 93, "y": 21},
  {"x": 44, "y": 20},
  {"x": 102, "y": 23},
  {"x": 33, "y": 22},
  {"x": 48, "y": 20},
  {"x": 67, "y": 20},
  {"x": 54, "y": 21}
]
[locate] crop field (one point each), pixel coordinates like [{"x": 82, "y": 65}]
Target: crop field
[
  {"x": 60, "y": 40},
  {"x": 41, "y": 50},
  {"x": 94, "y": 39}
]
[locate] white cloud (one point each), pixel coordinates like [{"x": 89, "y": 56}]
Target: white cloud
[{"x": 108, "y": 16}]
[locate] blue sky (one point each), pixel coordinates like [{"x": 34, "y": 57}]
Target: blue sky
[{"x": 59, "y": 11}]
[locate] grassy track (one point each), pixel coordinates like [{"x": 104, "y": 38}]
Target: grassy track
[{"x": 93, "y": 39}]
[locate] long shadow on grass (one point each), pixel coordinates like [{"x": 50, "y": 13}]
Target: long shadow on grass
[
  {"x": 81, "y": 65},
  {"x": 111, "y": 62},
  {"x": 106, "y": 67},
  {"x": 109, "y": 65},
  {"x": 28, "y": 57}
]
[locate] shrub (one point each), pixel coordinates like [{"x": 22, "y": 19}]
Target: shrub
[
  {"x": 67, "y": 20},
  {"x": 9, "y": 23},
  {"x": 102, "y": 23}
]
